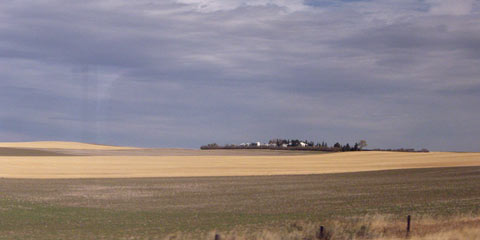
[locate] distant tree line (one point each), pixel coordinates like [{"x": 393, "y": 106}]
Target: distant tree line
[
  {"x": 293, "y": 144},
  {"x": 306, "y": 145}
]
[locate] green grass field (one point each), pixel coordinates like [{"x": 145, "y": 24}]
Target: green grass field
[{"x": 150, "y": 208}]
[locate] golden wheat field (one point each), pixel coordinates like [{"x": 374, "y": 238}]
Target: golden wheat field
[{"x": 118, "y": 166}]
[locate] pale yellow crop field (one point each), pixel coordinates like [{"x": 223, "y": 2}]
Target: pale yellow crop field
[
  {"x": 61, "y": 145},
  {"x": 184, "y": 166}
]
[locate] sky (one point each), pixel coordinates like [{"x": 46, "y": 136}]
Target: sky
[{"x": 182, "y": 73}]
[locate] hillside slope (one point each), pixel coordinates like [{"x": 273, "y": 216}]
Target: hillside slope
[{"x": 60, "y": 145}]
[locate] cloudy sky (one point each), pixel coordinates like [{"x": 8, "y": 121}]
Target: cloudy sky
[{"x": 182, "y": 73}]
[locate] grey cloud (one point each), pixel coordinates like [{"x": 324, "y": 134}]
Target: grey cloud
[
  {"x": 419, "y": 36},
  {"x": 171, "y": 74}
]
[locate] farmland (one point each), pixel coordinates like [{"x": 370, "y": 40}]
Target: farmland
[
  {"x": 70, "y": 160},
  {"x": 155, "y": 207},
  {"x": 126, "y": 193}
]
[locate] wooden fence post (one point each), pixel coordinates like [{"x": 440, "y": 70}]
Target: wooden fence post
[
  {"x": 409, "y": 218},
  {"x": 321, "y": 234},
  {"x": 217, "y": 237}
]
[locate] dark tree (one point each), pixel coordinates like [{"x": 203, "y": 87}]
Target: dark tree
[{"x": 362, "y": 144}]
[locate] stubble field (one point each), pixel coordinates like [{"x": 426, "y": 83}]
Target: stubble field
[
  {"x": 78, "y": 160},
  {"x": 281, "y": 196},
  {"x": 153, "y": 208}
]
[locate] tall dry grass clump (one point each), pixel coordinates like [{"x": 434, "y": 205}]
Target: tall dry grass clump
[{"x": 369, "y": 227}]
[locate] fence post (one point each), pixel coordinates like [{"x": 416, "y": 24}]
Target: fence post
[
  {"x": 321, "y": 234},
  {"x": 409, "y": 218},
  {"x": 217, "y": 237}
]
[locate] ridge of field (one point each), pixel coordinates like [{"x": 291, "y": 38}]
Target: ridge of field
[
  {"x": 181, "y": 152},
  {"x": 197, "y": 166},
  {"x": 87, "y": 149},
  {"x": 61, "y": 145},
  {"x": 4, "y": 151}
]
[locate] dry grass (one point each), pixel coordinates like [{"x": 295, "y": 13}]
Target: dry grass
[
  {"x": 374, "y": 227},
  {"x": 183, "y": 166}
]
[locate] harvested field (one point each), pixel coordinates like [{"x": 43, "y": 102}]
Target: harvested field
[
  {"x": 184, "y": 166},
  {"x": 85, "y": 149},
  {"x": 28, "y": 152},
  {"x": 182, "y": 152},
  {"x": 60, "y": 145},
  {"x": 110, "y": 192},
  {"x": 152, "y": 208}
]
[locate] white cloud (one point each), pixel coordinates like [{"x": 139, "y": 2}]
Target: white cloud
[
  {"x": 451, "y": 7},
  {"x": 220, "y": 5}
]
